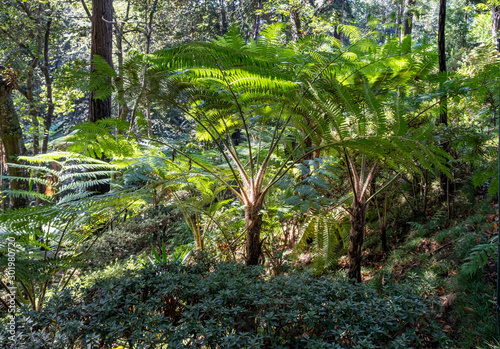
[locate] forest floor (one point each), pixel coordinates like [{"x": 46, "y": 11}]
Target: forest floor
[{"x": 431, "y": 256}]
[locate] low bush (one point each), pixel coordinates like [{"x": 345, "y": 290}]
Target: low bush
[{"x": 209, "y": 304}]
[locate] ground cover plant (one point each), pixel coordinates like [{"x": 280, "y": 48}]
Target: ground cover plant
[{"x": 227, "y": 305}]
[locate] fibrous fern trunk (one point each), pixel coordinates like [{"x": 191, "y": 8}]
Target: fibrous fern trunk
[
  {"x": 253, "y": 219},
  {"x": 356, "y": 237}
]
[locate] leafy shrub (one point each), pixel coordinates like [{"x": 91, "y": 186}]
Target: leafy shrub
[{"x": 227, "y": 305}]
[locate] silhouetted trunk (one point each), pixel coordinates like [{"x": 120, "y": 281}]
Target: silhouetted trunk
[
  {"x": 47, "y": 122},
  {"x": 11, "y": 137},
  {"x": 256, "y": 22},
  {"x": 223, "y": 18},
  {"x": 443, "y": 116},
  {"x": 102, "y": 45},
  {"x": 356, "y": 237},
  {"x": 253, "y": 225}
]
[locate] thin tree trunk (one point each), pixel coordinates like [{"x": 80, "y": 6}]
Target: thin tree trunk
[
  {"x": 48, "y": 84},
  {"x": 443, "y": 116},
  {"x": 253, "y": 220}
]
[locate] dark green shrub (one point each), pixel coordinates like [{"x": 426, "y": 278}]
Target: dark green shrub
[{"x": 212, "y": 304}]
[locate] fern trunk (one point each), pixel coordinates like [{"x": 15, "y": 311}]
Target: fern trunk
[
  {"x": 253, "y": 226},
  {"x": 356, "y": 236}
]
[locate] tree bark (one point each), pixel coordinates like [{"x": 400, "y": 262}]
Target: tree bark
[
  {"x": 356, "y": 237},
  {"x": 101, "y": 45},
  {"x": 443, "y": 116},
  {"x": 253, "y": 220},
  {"x": 11, "y": 137},
  {"x": 102, "y": 37},
  {"x": 295, "y": 21}
]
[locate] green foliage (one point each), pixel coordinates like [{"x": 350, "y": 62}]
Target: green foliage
[
  {"x": 228, "y": 305},
  {"x": 479, "y": 256},
  {"x": 68, "y": 177},
  {"x": 329, "y": 236}
]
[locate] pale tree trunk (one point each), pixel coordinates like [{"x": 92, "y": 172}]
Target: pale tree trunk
[
  {"x": 11, "y": 137},
  {"x": 495, "y": 25},
  {"x": 295, "y": 21}
]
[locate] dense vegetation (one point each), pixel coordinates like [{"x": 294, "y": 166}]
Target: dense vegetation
[{"x": 248, "y": 174}]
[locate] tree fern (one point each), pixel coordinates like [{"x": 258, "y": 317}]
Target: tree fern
[{"x": 479, "y": 256}]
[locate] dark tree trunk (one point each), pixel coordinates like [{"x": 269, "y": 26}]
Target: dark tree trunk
[
  {"x": 408, "y": 17},
  {"x": 47, "y": 123},
  {"x": 11, "y": 137},
  {"x": 256, "y": 22},
  {"x": 223, "y": 18},
  {"x": 443, "y": 116},
  {"x": 102, "y": 45},
  {"x": 358, "y": 223},
  {"x": 383, "y": 236},
  {"x": 253, "y": 225},
  {"x": 102, "y": 36}
]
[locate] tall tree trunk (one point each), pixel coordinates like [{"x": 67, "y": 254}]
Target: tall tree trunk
[
  {"x": 295, "y": 21},
  {"x": 253, "y": 220},
  {"x": 256, "y": 21},
  {"x": 48, "y": 84},
  {"x": 356, "y": 237},
  {"x": 11, "y": 137},
  {"x": 443, "y": 116},
  {"x": 101, "y": 45}
]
